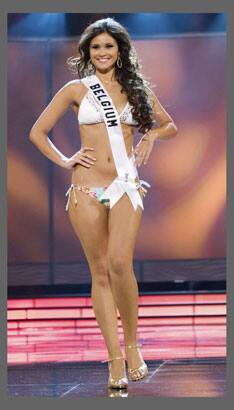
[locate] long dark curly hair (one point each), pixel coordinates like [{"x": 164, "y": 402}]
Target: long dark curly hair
[{"x": 128, "y": 76}]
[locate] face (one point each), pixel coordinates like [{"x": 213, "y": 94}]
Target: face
[{"x": 103, "y": 52}]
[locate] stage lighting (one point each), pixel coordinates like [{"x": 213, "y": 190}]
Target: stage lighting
[{"x": 39, "y": 25}]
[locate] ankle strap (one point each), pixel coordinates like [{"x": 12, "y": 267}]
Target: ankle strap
[
  {"x": 132, "y": 346},
  {"x": 114, "y": 358}
]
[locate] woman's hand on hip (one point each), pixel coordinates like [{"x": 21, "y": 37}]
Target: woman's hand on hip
[
  {"x": 80, "y": 157},
  {"x": 143, "y": 149}
]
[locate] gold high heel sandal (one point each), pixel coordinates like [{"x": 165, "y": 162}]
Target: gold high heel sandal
[
  {"x": 139, "y": 372},
  {"x": 116, "y": 383}
]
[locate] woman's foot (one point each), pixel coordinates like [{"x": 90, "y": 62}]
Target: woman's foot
[
  {"x": 137, "y": 368},
  {"x": 117, "y": 373}
]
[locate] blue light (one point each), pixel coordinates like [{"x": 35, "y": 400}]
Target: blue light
[
  {"x": 151, "y": 24},
  {"x": 147, "y": 24},
  {"x": 40, "y": 24},
  {"x": 218, "y": 23}
]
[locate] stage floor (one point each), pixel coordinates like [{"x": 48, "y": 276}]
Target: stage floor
[
  {"x": 170, "y": 326},
  {"x": 204, "y": 377}
]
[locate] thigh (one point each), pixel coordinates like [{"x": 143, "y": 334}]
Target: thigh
[
  {"x": 124, "y": 223},
  {"x": 89, "y": 220}
]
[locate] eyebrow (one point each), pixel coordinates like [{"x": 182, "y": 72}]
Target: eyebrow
[{"x": 108, "y": 43}]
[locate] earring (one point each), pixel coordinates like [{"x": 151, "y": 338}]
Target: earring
[
  {"x": 90, "y": 65},
  {"x": 119, "y": 62}
]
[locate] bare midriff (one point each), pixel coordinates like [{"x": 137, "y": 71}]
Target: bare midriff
[{"x": 103, "y": 171}]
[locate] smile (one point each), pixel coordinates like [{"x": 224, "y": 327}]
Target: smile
[{"x": 103, "y": 60}]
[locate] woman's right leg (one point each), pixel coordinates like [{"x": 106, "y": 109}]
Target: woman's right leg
[{"x": 89, "y": 219}]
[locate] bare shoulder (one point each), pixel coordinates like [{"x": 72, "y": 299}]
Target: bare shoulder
[
  {"x": 154, "y": 100},
  {"x": 160, "y": 114},
  {"x": 151, "y": 95},
  {"x": 73, "y": 84},
  {"x": 67, "y": 96},
  {"x": 73, "y": 90}
]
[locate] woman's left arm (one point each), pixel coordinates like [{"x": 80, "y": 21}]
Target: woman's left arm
[{"x": 166, "y": 129}]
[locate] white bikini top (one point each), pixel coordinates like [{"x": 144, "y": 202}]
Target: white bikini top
[{"x": 91, "y": 113}]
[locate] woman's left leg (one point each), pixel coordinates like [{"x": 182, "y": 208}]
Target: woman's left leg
[{"x": 124, "y": 223}]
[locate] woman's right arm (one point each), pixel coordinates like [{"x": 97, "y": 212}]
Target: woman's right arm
[{"x": 47, "y": 120}]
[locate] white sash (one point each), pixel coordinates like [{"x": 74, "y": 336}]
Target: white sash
[{"x": 125, "y": 167}]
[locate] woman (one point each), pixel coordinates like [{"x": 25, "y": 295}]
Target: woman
[{"x": 104, "y": 202}]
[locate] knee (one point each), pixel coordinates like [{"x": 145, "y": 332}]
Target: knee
[
  {"x": 118, "y": 264},
  {"x": 99, "y": 270}
]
